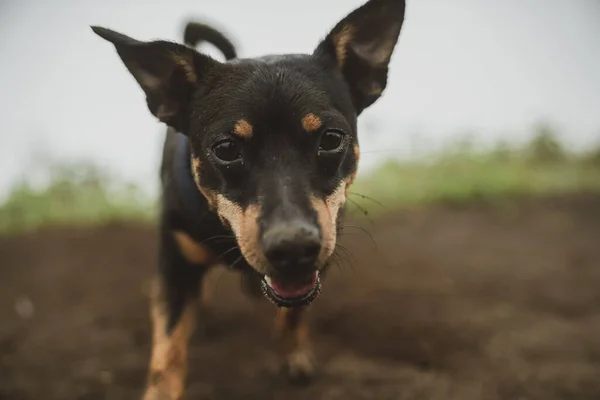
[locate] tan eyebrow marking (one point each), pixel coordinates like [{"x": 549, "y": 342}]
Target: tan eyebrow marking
[
  {"x": 243, "y": 128},
  {"x": 311, "y": 122}
]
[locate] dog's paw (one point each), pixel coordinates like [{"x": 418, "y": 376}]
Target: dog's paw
[
  {"x": 155, "y": 393},
  {"x": 299, "y": 367},
  {"x": 164, "y": 386}
]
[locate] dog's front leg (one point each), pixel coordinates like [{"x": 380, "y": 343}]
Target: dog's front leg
[
  {"x": 168, "y": 364},
  {"x": 292, "y": 334},
  {"x": 174, "y": 307}
]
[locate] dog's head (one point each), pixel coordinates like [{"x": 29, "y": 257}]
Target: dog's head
[{"x": 274, "y": 141}]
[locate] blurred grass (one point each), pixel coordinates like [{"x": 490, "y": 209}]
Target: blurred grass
[
  {"x": 470, "y": 179},
  {"x": 76, "y": 194},
  {"x": 82, "y": 194},
  {"x": 463, "y": 173}
]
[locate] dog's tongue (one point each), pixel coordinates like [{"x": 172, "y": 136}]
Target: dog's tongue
[{"x": 293, "y": 290}]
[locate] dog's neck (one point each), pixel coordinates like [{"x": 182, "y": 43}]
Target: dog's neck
[{"x": 194, "y": 203}]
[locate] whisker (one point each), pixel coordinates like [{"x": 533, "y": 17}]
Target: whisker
[
  {"x": 228, "y": 266},
  {"x": 380, "y": 151},
  {"x": 349, "y": 256},
  {"x": 363, "y": 196},
  {"x": 335, "y": 261},
  {"x": 362, "y": 210},
  {"x": 347, "y": 260},
  {"x": 226, "y": 252},
  {"x": 219, "y": 279},
  {"x": 363, "y": 230},
  {"x": 240, "y": 258},
  {"x": 218, "y": 237}
]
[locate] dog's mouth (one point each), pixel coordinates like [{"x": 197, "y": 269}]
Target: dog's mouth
[{"x": 290, "y": 295}]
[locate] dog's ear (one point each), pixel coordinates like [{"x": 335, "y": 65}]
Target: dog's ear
[
  {"x": 169, "y": 73},
  {"x": 362, "y": 45}
]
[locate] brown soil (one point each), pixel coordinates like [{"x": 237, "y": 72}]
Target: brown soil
[{"x": 460, "y": 303}]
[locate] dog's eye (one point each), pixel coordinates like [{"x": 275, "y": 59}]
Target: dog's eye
[
  {"x": 227, "y": 151},
  {"x": 331, "y": 141}
]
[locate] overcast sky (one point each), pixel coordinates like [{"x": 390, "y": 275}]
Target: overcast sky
[{"x": 489, "y": 67}]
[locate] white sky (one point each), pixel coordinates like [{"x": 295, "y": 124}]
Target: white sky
[{"x": 489, "y": 67}]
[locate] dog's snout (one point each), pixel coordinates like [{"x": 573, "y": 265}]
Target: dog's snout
[{"x": 292, "y": 247}]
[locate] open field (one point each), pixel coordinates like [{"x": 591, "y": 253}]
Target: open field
[
  {"x": 481, "y": 283},
  {"x": 461, "y": 302}
]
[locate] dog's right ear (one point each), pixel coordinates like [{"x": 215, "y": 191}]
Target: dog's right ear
[
  {"x": 361, "y": 46},
  {"x": 169, "y": 73}
]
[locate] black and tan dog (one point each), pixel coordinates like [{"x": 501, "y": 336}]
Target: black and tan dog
[{"x": 257, "y": 163}]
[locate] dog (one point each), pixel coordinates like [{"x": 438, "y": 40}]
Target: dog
[{"x": 257, "y": 162}]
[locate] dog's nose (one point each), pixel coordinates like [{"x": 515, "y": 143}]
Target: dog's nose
[{"x": 292, "y": 247}]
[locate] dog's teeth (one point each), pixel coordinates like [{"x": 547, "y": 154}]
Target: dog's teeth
[{"x": 268, "y": 280}]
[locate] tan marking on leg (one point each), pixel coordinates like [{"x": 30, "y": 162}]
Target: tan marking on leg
[
  {"x": 243, "y": 129},
  {"x": 311, "y": 122},
  {"x": 244, "y": 224},
  {"x": 327, "y": 212},
  {"x": 291, "y": 328},
  {"x": 293, "y": 337},
  {"x": 210, "y": 196},
  {"x": 194, "y": 252},
  {"x": 341, "y": 41},
  {"x": 168, "y": 364}
]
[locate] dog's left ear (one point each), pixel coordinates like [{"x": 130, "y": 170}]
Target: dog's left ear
[
  {"x": 362, "y": 45},
  {"x": 169, "y": 73}
]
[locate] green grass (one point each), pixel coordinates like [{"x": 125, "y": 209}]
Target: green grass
[
  {"x": 469, "y": 179},
  {"x": 80, "y": 194},
  {"x": 75, "y": 195},
  {"x": 464, "y": 174}
]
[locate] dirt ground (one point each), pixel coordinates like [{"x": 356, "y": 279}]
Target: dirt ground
[{"x": 456, "y": 303}]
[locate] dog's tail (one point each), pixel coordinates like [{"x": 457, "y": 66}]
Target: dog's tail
[{"x": 196, "y": 33}]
